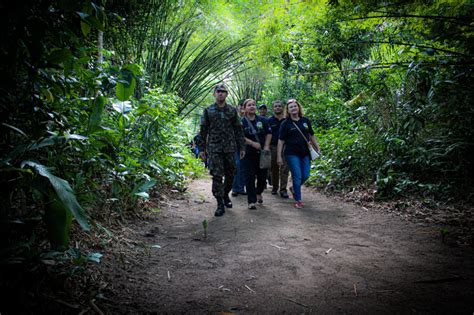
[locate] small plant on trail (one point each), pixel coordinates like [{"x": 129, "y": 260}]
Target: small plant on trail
[
  {"x": 205, "y": 225},
  {"x": 444, "y": 234}
]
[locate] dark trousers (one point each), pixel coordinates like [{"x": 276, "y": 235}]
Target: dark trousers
[{"x": 251, "y": 170}]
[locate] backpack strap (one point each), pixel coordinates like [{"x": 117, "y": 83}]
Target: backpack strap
[
  {"x": 300, "y": 131},
  {"x": 251, "y": 127}
]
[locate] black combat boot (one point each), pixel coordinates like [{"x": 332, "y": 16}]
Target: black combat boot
[
  {"x": 227, "y": 201},
  {"x": 220, "y": 207}
]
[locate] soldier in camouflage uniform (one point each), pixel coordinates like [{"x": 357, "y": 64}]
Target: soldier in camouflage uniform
[{"x": 221, "y": 131}]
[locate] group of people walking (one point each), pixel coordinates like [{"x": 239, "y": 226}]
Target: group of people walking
[{"x": 236, "y": 141}]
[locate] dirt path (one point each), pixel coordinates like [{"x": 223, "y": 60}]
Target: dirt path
[{"x": 330, "y": 257}]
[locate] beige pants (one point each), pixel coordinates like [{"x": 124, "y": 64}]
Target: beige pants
[{"x": 279, "y": 173}]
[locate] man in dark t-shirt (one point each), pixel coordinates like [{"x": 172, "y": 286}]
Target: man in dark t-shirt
[
  {"x": 262, "y": 110},
  {"x": 279, "y": 174}
]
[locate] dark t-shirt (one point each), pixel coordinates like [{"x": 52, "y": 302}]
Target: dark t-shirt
[
  {"x": 275, "y": 126},
  {"x": 262, "y": 129},
  {"x": 295, "y": 144}
]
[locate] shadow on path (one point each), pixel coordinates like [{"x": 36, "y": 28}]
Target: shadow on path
[{"x": 330, "y": 257}]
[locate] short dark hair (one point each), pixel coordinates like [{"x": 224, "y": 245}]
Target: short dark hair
[
  {"x": 276, "y": 102},
  {"x": 220, "y": 87}
]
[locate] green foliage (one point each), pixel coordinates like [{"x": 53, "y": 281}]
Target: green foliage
[
  {"x": 388, "y": 88},
  {"x": 192, "y": 167},
  {"x": 205, "y": 225},
  {"x": 92, "y": 127},
  {"x": 63, "y": 196},
  {"x": 58, "y": 221},
  {"x": 93, "y": 96},
  {"x": 134, "y": 148},
  {"x": 161, "y": 38},
  {"x": 73, "y": 135},
  {"x": 127, "y": 81}
]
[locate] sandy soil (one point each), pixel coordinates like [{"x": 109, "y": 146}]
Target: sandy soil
[{"x": 329, "y": 258}]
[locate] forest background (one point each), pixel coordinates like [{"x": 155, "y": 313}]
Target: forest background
[{"x": 100, "y": 99}]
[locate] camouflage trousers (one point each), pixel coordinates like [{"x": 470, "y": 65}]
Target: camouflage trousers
[{"x": 222, "y": 166}]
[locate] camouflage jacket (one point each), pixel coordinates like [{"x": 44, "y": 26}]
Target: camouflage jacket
[{"x": 221, "y": 130}]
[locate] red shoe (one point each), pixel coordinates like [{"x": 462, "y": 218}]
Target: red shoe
[{"x": 299, "y": 205}]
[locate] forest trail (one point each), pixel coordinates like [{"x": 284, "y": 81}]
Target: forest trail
[{"x": 330, "y": 257}]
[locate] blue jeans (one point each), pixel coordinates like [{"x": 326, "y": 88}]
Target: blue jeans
[
  {"x": 299, "y": 168},
  {"x": 239, "y": 180}
]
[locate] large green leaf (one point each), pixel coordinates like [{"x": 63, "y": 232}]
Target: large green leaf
[
  {"x": 85, "y": 28},
  {"x": 125, "y": 85},
  {"x": 95, "y": 117},
  {"x": 64, "y": 192},
  {"x": 141, "y": 189},
  {"x": 18, "y": 130},
  {"x": 58, "y": 221},
  {"x": 58, "y": 56},
  {"x": 134, "y": 68}
]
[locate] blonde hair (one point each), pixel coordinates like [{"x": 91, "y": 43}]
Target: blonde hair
[
  {"x": 244, "y": 104},
  {"x": 291, "y": 100}
]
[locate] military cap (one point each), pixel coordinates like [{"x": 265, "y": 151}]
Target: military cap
[{"x": 220, "y": 87}]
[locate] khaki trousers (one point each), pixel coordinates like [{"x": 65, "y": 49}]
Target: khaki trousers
[{"x": 279, "y": 173}]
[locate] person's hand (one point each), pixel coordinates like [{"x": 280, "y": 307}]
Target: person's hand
[
  {"x": 242, "y": 154},
  {"x": 266, "y": 148},
  {"x": 279, "y": 161},
  {"x": 202, "y": 155},
  {"x": 256, "y": 145}
]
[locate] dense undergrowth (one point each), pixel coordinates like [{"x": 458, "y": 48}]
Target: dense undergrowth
[
  {"x": 389, "y": 89},
  {"x": 76, "y": 147}
]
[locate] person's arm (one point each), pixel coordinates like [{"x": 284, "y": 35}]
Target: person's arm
[
  {"x": 312, "y": 138},
  {"x": 282, "y": 135},
  {"x": 268, "y": 136},
  {"x": 253, "y": 144},
  {"x": 239, "y": 135},
  {"x": 280, "y": 145},
  {"x": 315, "y": 144},
  {"x": 203, "y": 135},
  {"x": 268, "y": 139}
]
